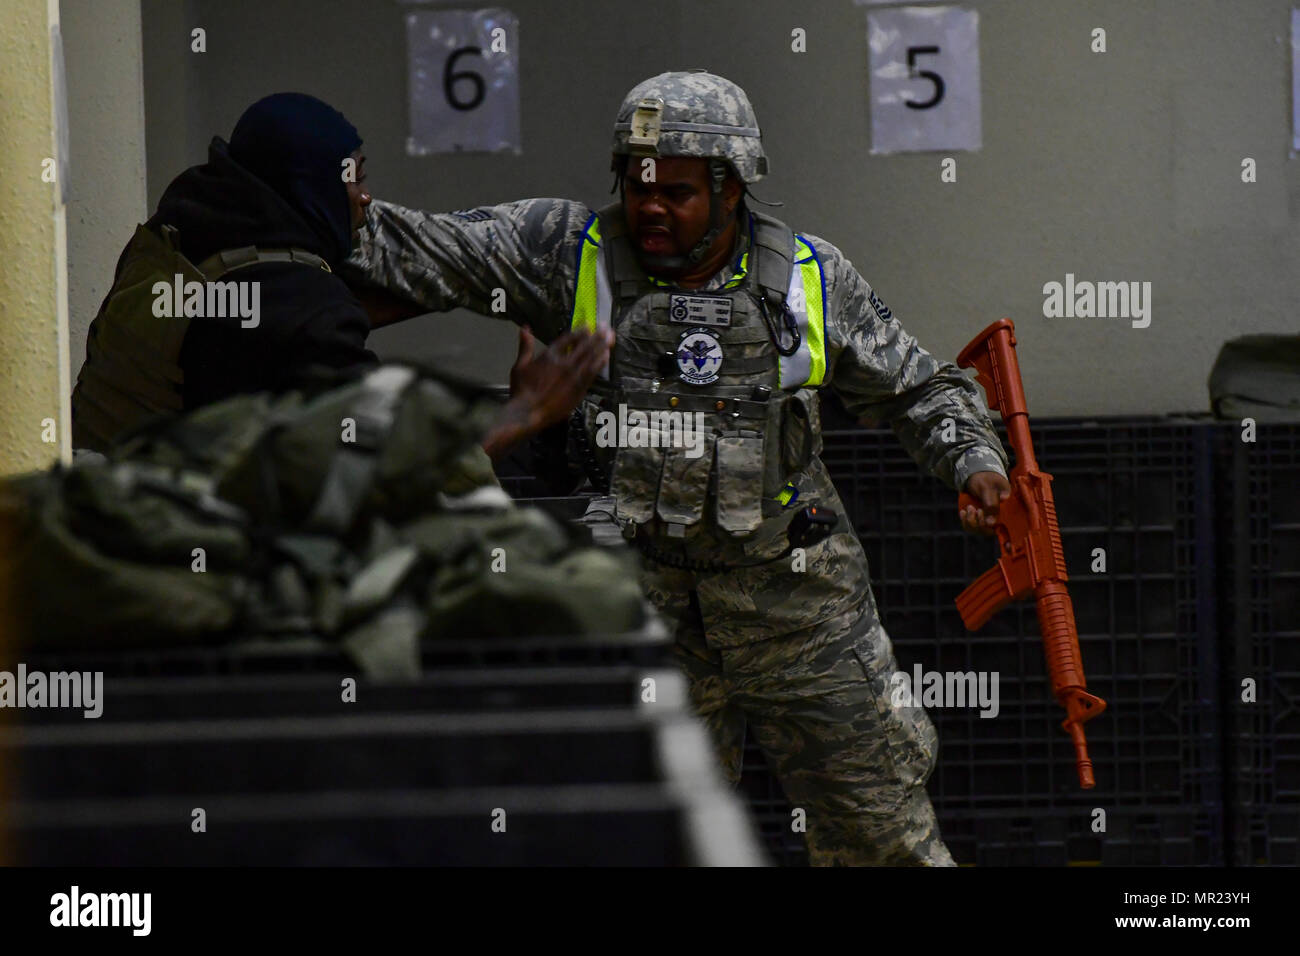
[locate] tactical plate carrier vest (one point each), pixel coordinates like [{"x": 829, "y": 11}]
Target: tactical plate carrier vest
[
  {"x": 132, "y": 370},
  {"x": 747, "y": 357}
]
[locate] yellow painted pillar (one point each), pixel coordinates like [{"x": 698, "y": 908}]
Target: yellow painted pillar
[
  {"x": 34, "y": 390},
  {"x": 35, "y": 415}
]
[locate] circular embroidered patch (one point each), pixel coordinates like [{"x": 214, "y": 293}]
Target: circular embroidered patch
[{"x": 699, "y": 357}]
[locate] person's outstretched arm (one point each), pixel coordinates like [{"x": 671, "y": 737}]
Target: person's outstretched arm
[{"x": 514, "y": 261}]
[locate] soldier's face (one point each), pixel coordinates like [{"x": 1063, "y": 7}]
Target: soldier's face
[
  {"x": 666, "y": 204},
  {"x": 358, "y": 195}
]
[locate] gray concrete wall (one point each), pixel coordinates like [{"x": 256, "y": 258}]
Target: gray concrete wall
[
  {"x": 1115, "y": 166},
  {"x": 177, "y": 116},
  {"x": 102, "y": 52}
]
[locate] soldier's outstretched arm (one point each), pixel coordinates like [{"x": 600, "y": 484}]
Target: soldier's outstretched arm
[
  {"x": 513, "y": 261},
  {"x": 883, "y": 374}
]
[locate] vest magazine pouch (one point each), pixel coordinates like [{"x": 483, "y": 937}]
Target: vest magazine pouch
[
  {"x": 800, "y": 430},
  {"x": 635, "y": 482},
  {"x": 684, "y": 486},
  {"x": 740, "y": 483},
  {"x": 593, "y": 455}
]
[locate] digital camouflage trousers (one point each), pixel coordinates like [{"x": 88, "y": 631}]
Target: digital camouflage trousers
[{"x": 819, "y": 704}]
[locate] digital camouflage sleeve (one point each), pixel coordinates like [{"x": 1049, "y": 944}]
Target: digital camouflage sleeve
[{"x": 528, "y": 251}]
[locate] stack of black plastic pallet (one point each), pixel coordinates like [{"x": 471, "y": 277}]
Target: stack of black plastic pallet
[
  {"x": 1187, "y": 773},
  {"x": 523, "y": 751}
]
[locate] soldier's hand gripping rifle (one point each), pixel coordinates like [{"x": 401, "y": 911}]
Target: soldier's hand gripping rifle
[{"x": 1030, "y": 559}]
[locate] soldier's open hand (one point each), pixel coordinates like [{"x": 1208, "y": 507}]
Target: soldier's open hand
[
  {"x": 553, "y": 382},
  {"x": 989, "y": 489}
]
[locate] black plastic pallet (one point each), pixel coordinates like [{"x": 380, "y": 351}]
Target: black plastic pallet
[
  {"x": 589, "y": 772},
  {"x": 1270, "y": 836},
  {"x": 1261, "y": 549},
  {"x": 627, "y": 825},
  {"x": 361, "y": 752},
  {"x": 1063, "y": 836},
  {"x": 234, "y": 697},
  {"x": 646, "y": 648},
  {"x": 593, "y": 786},
  {"x": 1066, "y": 837}
]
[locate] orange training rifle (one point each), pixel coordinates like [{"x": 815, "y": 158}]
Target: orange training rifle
[{"x": 1030, "y": 559}]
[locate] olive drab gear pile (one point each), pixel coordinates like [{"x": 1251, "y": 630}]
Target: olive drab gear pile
[
  {"x": 365, "y": 514},
  {"x": 763, "y": 337},
  {"x": 132, "y": 370}
]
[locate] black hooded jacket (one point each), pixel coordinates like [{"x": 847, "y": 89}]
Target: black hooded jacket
[{"x": 308, "y": 317}]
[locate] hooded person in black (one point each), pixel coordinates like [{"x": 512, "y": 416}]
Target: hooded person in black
[{"x": 279, "y": 186}]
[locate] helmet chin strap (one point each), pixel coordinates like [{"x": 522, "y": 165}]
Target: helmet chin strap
[{"x": 717, "y": 173}]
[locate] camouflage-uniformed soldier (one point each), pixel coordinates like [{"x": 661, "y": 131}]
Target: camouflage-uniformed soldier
[{"x": 728, "y": 320}]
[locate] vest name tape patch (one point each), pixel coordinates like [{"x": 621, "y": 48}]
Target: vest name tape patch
[
  {"x": 699, "y": 357},
  {"x": 710, "y": 310}
]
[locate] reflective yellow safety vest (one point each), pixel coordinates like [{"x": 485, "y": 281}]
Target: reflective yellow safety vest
[
  {"x": 718, "y": 357},
  {"x": 804, "y": 293}
]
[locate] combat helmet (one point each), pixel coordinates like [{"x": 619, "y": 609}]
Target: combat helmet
[
  {"x": 697, "y": 114},
  {"x": 691, "y": 113}
]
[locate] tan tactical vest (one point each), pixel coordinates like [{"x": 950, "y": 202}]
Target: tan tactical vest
[{"x": 713, "y": 353}]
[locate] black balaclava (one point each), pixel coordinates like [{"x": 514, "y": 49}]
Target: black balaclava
[{"x": 296, "y": 144}]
